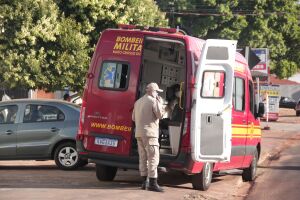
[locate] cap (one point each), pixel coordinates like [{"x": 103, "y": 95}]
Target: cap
[{"x": 153, "y": 87}]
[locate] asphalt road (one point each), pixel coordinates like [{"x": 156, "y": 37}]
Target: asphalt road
[
  {"x": 36, "y": 180},
  {"x": 280, "y": 178},
  {"x": 30, "y": 180}
]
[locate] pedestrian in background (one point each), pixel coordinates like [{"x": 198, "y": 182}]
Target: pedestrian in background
[
  {"x": 67, "y": 97},
  {"x": 146, "y": 114}
]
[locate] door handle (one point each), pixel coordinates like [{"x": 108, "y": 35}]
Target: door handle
[
  {"x": 244, "y": 121},
  {"x": 54, "y": 129},
  {"x": 9, "y": 132}
]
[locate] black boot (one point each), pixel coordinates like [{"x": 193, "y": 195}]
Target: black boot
[
  {"x": 145, "y": 182},
  {"x": 153, "y": 186}
]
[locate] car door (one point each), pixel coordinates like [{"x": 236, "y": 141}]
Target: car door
[
  {"x": 41, "y": 125},
  {"x": 8, "y": 129},
  {"x": 212, "y": 102}
]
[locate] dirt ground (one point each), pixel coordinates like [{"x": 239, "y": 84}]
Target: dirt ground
[
  {"x": 30, "y": 180},
  {"x": 288, "y": 116}
]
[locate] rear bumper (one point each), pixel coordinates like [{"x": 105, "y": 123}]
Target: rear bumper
[{"x": 180, "y": 162}]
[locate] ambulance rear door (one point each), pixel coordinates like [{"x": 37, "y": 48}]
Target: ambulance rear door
[{"x": 212, "y": 102}]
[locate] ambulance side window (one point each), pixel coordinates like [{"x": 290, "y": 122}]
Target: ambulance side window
[
  {"x": 239, "y": 94},
  {"x": 251, "y": 95},
  {"x": 114, "y": 75}
]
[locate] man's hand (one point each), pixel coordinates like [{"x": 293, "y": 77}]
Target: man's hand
[{"x": 159, "y": 99}]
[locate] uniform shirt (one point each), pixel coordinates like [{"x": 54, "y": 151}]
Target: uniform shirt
[{"x": 146, "y": 114}]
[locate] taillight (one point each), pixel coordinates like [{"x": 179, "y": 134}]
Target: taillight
[
  {"x": 80, "y": 135},
  {"x": 82, "y": 114}
]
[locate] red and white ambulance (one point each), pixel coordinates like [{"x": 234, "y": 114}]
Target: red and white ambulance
[{"x": 218, "y": 128}]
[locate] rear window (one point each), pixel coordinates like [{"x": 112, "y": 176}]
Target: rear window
[
  {"x": 213, "y": 84},
  {"x": 114, "y": 75},
  {"x": 42, "y": 113}
]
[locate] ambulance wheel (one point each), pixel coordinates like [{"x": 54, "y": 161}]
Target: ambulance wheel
[
  {"x": 250, "y": 172},
  {"x": 105, "y": 173},
  {"x": 202, "y": 180}
]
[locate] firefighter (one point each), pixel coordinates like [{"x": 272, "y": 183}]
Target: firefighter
[{"x": 146, "y": 114}]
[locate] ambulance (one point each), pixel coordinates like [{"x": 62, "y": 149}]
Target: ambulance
[{"x": 218, "y": 127}]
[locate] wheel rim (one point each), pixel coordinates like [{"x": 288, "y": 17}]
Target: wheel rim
[
  {"x": 68, "y": 156},
  {"x": 207, "y": 173}
]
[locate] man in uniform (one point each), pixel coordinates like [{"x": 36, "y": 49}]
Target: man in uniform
[{"x": 146, "y": 114}]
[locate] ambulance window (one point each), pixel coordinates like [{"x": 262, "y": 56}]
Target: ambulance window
[
  {"x": 213, "y": 84},
  {"x": 114, "y": 75},
  {"x": 239, "y": 94},
  {"x": 251, "y": 95},
  {"x": 217, "y": 53}
]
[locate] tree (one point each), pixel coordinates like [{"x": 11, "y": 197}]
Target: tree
[
  {"x": 48, "y": 43},
  {"x": 97, "y": 15},
  {"x": 269, "y": 23},
  {"x": 39, "y": 47}
]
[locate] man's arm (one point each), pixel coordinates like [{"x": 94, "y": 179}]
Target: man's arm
[
  {"x": 133, "y": 115},
  {"x": 158, "y": 108}
]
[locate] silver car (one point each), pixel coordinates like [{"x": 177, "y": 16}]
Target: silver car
[{"x": 40, "y": 130}]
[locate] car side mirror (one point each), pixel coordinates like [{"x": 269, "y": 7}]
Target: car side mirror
[{"x": 261, "y": 110}]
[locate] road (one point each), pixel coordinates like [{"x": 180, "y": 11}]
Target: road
[
  {"x": 280, "y": 178},
  {"x": 30, "y": 180},
  {"x": 35, "y": 180},
  {"x": 279, "y": 175}
]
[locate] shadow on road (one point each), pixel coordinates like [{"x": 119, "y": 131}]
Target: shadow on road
[
  {"x": 49, "y": 176},
  {"x": 42, "y": 167},
  {"x": 280, "y": 167},
  {"x": 282, "y": 138}
]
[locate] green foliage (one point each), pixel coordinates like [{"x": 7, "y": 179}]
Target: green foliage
[
  {"x": 40, "y": 48},
  {"x": 48, "y": 43},
  {"x": 272, "y": 24},
  {"x": 97, "y": 15},
  {"x": 285, "y": 68}
]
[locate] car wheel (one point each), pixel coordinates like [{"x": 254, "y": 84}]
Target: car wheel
[
  {"x": 105, "y": 173},
  {"x": 250, "y": 172},
  {"x": 297, "y": 113},
  {"x": 66, "y": 156},
  {"x": 202, "y": 180}
]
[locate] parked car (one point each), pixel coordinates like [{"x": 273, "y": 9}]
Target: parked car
[
  {"x": 38, "y": 130},
  {"x": 298, "y": 108},
  {"x": 287, "y": 102},
  {"x": 76, "y": 98}
]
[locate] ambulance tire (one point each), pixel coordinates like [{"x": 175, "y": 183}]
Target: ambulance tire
[
  {"x": 105, "y": 173},
  {"x": 250, "y": 172},
  {"x": 202, "y": 180}
]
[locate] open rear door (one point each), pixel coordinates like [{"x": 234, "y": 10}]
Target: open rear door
[{"x": 212, "y": 102}]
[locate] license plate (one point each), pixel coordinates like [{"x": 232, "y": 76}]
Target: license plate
[{"x": 106, "y": 142}]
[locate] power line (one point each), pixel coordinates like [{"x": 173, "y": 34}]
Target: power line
[{"x": 225, "y": 14}]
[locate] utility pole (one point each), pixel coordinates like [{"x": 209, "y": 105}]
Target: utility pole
[{"x": 172, "y": 10}]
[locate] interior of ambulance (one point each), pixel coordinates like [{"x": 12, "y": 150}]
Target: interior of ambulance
[{"x": 164, "y": 62}]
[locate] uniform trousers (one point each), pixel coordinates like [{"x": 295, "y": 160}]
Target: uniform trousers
[{"x": 148, "y": 148}]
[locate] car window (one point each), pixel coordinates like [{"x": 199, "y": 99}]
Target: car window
[
  {"x": 8, "y": 114},
  {"x": 42, "y": 113}
]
